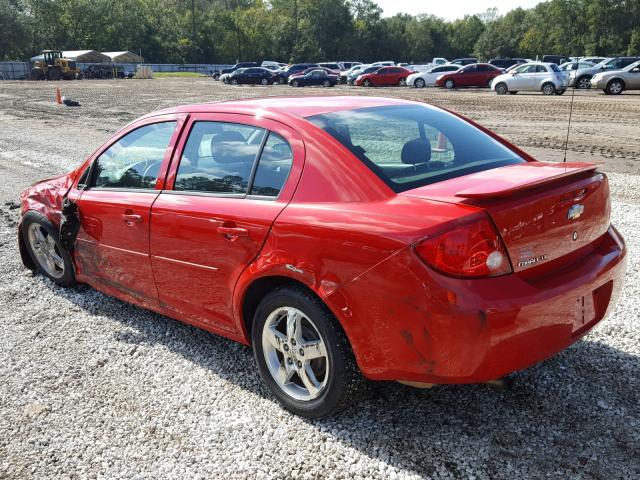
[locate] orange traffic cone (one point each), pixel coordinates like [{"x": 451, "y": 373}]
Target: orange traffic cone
[
  {"x": 58, "y": 96},
  {"x": 442, "y": 143}
]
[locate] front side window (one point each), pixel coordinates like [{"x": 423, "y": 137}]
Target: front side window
[
  {"x": 218, "y": 158},
  {"x": 410, "y": 146},
  {"x": 134, "y": 161}
]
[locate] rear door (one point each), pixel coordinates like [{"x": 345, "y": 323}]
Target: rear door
[
  {"x": 114, "y": 206},
  {"x": 468, "y": 76},
  {"x": 228, "y": 181}
]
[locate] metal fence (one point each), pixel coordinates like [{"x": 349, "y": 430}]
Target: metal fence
[
  {"x": 205, "y": 68},
  {"x": 20, "y": 70},
  {"x": 14, "y": 70}
]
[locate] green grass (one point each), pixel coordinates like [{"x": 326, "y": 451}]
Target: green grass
[{"x": 177, "y": 74}]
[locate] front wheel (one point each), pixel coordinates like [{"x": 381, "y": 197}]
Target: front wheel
[
  {"x": 295, "y": 83},
  {"x": 234, "y": 81},
  {"x": 450, "y": 84},
  {"x": 326, "y": 83},
  {"x": 303, "y": 354},
  {"x": 584, "y": 82},
  {"x": 615, "y": 87},
  {"x": 419, "y": 83},
  {"x": 502, "y": 89},
  {"x": 367, "y": 83},
  {"x": 264, "y": 81},
  {"x": 43, "y": 244}
]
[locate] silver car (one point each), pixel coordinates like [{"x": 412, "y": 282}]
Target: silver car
[
  {"x": 582, "y": 78},
  {"x": 531, "y": 77},
  {"x": 614, "y": 83}
]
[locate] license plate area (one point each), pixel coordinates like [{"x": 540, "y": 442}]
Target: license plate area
[{"x": 591, "y": 308}]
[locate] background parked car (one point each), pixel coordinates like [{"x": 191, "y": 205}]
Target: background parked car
[
  {"x": 217, "y": 75},
  {"x": 464, "y": 61},
  {"x": 271, "y": 65},
  {"x": 582, "y": 78},
  {"x": 251, "y": 76},
  {"x": 368, "y": 69},
  {"x": 557, "y": 59},
  {"x": 474, "y": 75},
  {"x": 428, "y": 78},
  {"x": 617, "y": 81},
  {"x": 309, "y": 70},
  {"x": 385, "y": 63},
  {"x": 283, "y": 75},
  {"x": 344, "y": 75},
  {"x": 334, "y": 67},
  {"x": 532, "y": 77},
  {"x": 347, "y": 65},
  {"x": 505, "y": 63},
  {"x": 318, "y": 76},
  {"x": 384, "y": 76}
]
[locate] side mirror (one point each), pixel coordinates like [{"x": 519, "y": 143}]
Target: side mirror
[{"x": 514, "y": 74}]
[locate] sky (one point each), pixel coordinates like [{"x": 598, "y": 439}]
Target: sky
[{"x": 450, "y": 9}]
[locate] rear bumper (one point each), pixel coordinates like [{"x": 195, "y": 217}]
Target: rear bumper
[{"x": 407, "y": 322}]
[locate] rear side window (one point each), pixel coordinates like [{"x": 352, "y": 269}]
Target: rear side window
[
  {"x": 274, "y": 166},
  {"x": 134, "y": 161},
  {"x": 409, "y": 146},
  {"x": 219, "y": 158}
]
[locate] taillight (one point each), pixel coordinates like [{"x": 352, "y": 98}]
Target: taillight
[{"x": 471, "y": 250}]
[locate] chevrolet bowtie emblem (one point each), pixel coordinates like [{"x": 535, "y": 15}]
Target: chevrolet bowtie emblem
[{"x": 575, "y": 211}]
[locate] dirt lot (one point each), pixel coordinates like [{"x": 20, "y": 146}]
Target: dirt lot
[{"x": 91, "y": 387}]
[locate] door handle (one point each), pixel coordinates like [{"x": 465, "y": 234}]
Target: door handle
[
  {"x": 233, "y": 232},
  {"x": 130, "y": 218}
]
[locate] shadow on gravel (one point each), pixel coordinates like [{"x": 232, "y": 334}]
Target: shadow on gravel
[{"x": 575, "y": 415}]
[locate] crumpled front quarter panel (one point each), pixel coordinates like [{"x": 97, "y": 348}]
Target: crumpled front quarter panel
[{"x": 46, "y": 196}]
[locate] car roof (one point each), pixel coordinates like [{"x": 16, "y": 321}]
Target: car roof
[{"x": 297, "y": 106}]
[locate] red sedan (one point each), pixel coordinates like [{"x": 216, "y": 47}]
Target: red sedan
[
  {"x": 474, "y": 75},
  {"x": 341, "y": 237},
  {"x": 384, "y": 77}
]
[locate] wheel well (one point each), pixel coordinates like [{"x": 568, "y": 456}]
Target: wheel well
[
  {"x": 624, "y": 85},
  {"x": 256, "y": 292}
]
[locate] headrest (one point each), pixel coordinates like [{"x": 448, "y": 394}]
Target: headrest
[
  {"x": 227, "y": 146},
  {"x": 416, "y": 151}
]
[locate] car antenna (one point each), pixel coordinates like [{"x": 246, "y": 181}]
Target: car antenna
[{"x": 573, "y": 89}]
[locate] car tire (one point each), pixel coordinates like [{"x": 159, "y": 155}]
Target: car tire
[
  {"x": 502, "y": 89},
  {"x": 402, "y": 82},
  {"x": 326, "y": 84},
  {"x": 311, "y": 388},
  {"x": 584, "y": 82},
  {"x": 615, "y": 87},
  {"x": 295, "y": 83},
  {"x": 548, "y": 89},
  {"x": 264, "y": 81},
  {"x": 419, "y": 83},
  {"x": 449, "y": 84},
  {"x": 367, "y": 83},
  {"x": 216, "y": 77},
  {"x": 234, "y": 81},
  {"x": 43, "y": 244}
]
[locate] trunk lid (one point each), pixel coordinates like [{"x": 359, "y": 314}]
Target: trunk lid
[{"x": 543, "y": 211}]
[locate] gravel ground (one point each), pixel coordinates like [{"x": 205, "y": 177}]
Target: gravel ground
[{"x": 91, "y": 387}]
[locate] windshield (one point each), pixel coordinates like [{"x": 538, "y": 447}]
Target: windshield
[{"x": 409, "y": 146}]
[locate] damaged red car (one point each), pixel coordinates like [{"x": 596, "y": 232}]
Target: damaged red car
[{"x": 341, "y": 237}]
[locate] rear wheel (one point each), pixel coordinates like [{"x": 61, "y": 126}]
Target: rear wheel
[
  {"x": 264, "y": 81},
  {"x": 303, "y": 354},
  {"x": 548, "y": 89},
  {"x": 216, "y": 76},
  {"x": 402, "y": 82},
  {"x": 234, "y": 81},
  {"x": 45, "y": 249},
  {"x": 419, "y": 83},
  {"x": 326, "y": 83},
  {"x": 502, "y": 89},
  {"x": 615, "y": 87},
  {"x": 450, "y": 84}
]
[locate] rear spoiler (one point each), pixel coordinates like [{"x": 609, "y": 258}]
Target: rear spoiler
[{"x": 505, "y": 181}]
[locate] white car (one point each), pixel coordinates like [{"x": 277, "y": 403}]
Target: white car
[
  {"x": 428, "y": 78},
  {"x": 531, "y": 77}
]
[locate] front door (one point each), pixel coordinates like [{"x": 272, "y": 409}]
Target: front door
[
  {"x": 225, "y": 189},
  {"x": 112, "y": 247}
]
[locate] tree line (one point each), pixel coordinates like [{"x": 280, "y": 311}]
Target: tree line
[{"x": 225, "y": 31}]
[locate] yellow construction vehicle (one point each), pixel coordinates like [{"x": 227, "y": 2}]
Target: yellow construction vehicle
[{"x": 53, "y": 66}]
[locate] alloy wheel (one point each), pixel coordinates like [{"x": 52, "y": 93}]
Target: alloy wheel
[
  {"x": 46, "y": 251},
  {"x": 295, "y": 353}
]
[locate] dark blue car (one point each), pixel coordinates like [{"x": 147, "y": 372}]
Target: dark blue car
[
  {"x": 283, "y": 76},
  {"x": 314, "y": 77}
]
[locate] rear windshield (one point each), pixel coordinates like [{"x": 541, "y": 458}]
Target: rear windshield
[{"x": 409, "y": 146}]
